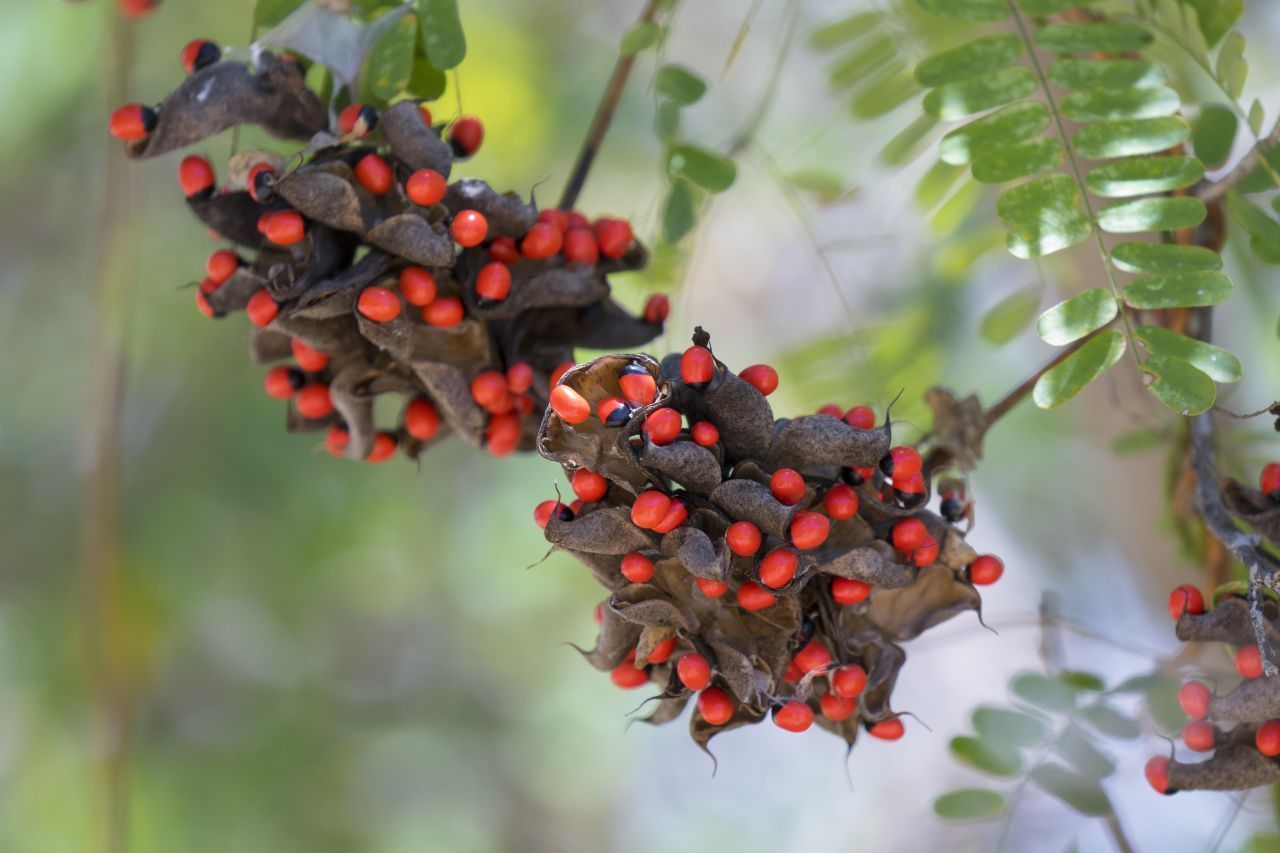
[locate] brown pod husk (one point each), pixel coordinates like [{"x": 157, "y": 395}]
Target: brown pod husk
[
  {"x": 1235, "y": 765},
  {"x": 412, "y": 141},
  {"x": 1255, "y": 700},
  {"x": 1254, "y": 508}
]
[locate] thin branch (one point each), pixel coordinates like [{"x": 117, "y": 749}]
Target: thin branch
[
  {"x": 1006, "y": 403},
  {"x": 1213, "y": 190},
  {"x": 603, "y": 117}
]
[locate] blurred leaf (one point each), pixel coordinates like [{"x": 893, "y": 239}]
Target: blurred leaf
[
  {"x": 1079, "y": 369},
  {"x": 390, "y": 63},
  {"x": 1043, "y": 691},
  {"x": 426, "y": 82},
  {"x": 1213, "y": 133},
  {"x": 1082, "y": 794},
  {"x": 1009, "y": 162},
  {"x": 1137, "y": 440},
  {"x": 1262, "y": 229},
  {"x": 853, "y": 69},
  {"x": 1132, "y": 103},
  {"x": 1219, "y": 364},
  {"x": 1161, "y": 695},
  {"x": 975, "y": 94},
  {"x": 884, "y": 96},
  {"x": 826, "y": 185},
  {"x": 935, "y": 184},
  {"x": 680, "y": 84},
  {"x": 971, "y": 10},
  {"x": 678, "y": 214},
  {"x": 1152, "y": 214},
  {"x": 666, "y": 123},
  {"x": 1111, "y": 722},
  {"x": 641, "y": 36},
  {"x": 992, "y": 757},
  {"x": 1048, "y": 7},
  {"x": 1143, "y": 175},
  {"x": 1005, "y": 725},
  {"x": 707, "y": 169},
  {"x": 1231, "y": 67},
  {"x": 969, "y": 804},
  {"x": 442, "y": 33},
  {"x": 844, "y": 30},
  {"x": 1130, "y": 137},
  {"x": 1014, "y": 123},
  {"x": 1011, "y": 315},
  {"x": 1078, "y": 749},
  {"x": 905, "y": 146},
  {"x": 955, "y": 211},
  {"x": 1044, "y": 214},
  {"x": 1163, "y": 257},
  {"x": 1180, "y": 385},
  {"x": 1217, "y": 17},
  {"x": 268, "y": 13},
  {"x": 1072, "y": 319},
  {"x": 1072, "y": 73},
  {"x": 1263, "y": 842},
  {"x": 1178, "y": 290},
  {"x": 1080, "y": 680},
  {"x": 979, "y": 56},
  {"x": 1257, "y": 115},
  {"x": 1100, "y": 36}
]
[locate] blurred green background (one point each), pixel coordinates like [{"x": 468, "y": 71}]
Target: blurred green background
[{"x": 324, "y": 656}]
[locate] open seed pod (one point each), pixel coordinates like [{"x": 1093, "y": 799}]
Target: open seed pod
[
  {"x": 760, "y": 564},
  {"x": 364, "y": 269}
]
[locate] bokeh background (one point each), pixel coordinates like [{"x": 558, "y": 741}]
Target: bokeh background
[{"x": 314, "y": 655}]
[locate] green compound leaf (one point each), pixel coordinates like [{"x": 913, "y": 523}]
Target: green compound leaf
[
  {"x": 1130, "y": 137},
  {"x": 1217, "y": 363},
  {"x": 1232, "y": 68},
  {"x": 1071, "y": 73},
  {"x": 1005, "y": 725},
  {"x": 1213, "y": 133},
  {"x": 1069, "y": 378},
  {"x": 442, "y": 33},
  {"x": 992, "y": 89},
  {"x": 969, "y": 60},
  {"x": 1010, "y": 162},
  {"x": 390, "y": 63},
  {"x": 1044, "y": 214},
  {"x": 1052, "y": 694},
  {"x": 1217, "y": 17},
  {"x": 1152, "y": 214},
  {"x": 1014, "y": 123},
  {"x": 998, "y": 759},
  {"x": 1106, "y": 104},
  {"x": 969, "y": 10},
  {"x": 639, "y": 37},
  {"x": 1178, "y": 290},
  {"x": 1072, "y": 319},
  {"x": 845, "y": 30},
  {"x": 1010, "y": 315},
  {"x": 707, "y": 169},
  {"x": 1180, "y": 385},
  {"x": 1263, "y": 231},
  {"x": 1124, "y": 178},
  {"x": 1163, "y": 258},
  {"x": 680, "y": 84},
  {"x": 969, "y": 804},
  {"x": 1101, "y": 36},
  {"x": 1083, "y": 794}
]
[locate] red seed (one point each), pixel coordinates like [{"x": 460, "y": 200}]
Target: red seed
[
  {"x": 809, "y": 530},
  {"x": 662, "y": 650},
  {"x": 599, "y": 613},
  {"x": 675, "y": 517},
  {"x": 830, "y": 409},
  {"x": 762, "y": 376},
  {"x": 637, "y": 568},
  {"x": 638, "y": 386},
  {"x": 985, "y": 570},
  {"x": 787, "y": 486},
  {"x": 793, "y": 673},
  {"x": 794, "y": 716},
  {"x": 860, "y": 417},
  {"x": 426, "y": 187},
  {"x": 752, "y": 597},
  {"x": 221, "y": 265},
  {"x": 908, "y": 535},
  {"x": 384, "y": 447},
  {"x": 466, "y": 135},
  {"x": 285, "y": 227},
  {"x": 503, "y": 250},
  {"x": 560, "y": 371},
  {"x": 913, "y": 485},
  {"x": 926, "y": 554},
  {"x": 1185, "y": 597},
  {"x": 1199, "y": 736},
  {"x": 488, "y": 387},
  {"x": 313, "y": 401},
  {"x": 202, "y": 303},
  {"x": 374, "y": 174},
  {"x": 840, "y": 502},
  {"x": 887, "y": 729},
  {"x": 693, "y": 671},
  {"x": 812, "y": 657},
  {"x": 136, "y": 9},
  {"x": 657, "y": 308},
  {"x": 308, "y": 359},
  {"x": 650, "y": 507},
  {"x": 1249, "y": 662},
  {"x": 574, "y": 219},
  {"x": 542, "y": 512},
  {"x": 628, "y": 676},
  {"x": 257, "y": 179},
  {"x": 336, "y": 440},
  {"x": 711, "y": 589},
  {"x": 613, "y": 412},
  {"x": 443, "y": 313},
  {"x": 1267, "y": 738},
  {"x": 261, "y": 308},
  {"x": 1157, "y": 773},
  {"x": 663, "y": 425},
  {"x": 469, "y": 228},
  {"x": 357, "y": 118},
  {"x": 589, "y": 485},
  {"x": 848, "y": 591},
  {"x": 614, "y": 237},
  {"x": 426, "y": 115},
  {"x": 195, "y": 176},
  {"x": 132, "y": 122},
  {"x": 557, "y": 219},
  {"x": 493, "y": 281},
  {"x": 835, "y": 708},
  {"x": 778, "y": 568},
  {"x": 421, "y": 420},
  {"x": 715, "y": 707},
  {"x": 849, "y": 681},
  {"x": 697, "y": 366},
  {"x": 378, "y": 304},
  {"x": 743, "y": 538},
  {"x": 705, "y": 433},
  {"x": 542, "y": 241},
  {"x": 1269, "y": 480},
  {"x": 282, "y": 382},
  {"x": 580, "y": 247},
  {"x": 502, "y": 434},
  {"x": 904, "y": 462},
  {"x": 1194, "y": 697},
  {"x": 571, "y": 406},
  {"x": 519, "y": 377},
  {"x": 417, "y": 285}
]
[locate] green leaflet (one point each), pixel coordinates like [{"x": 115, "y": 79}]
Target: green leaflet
[
  {"x": 845, "y": 30},
  {"x": 989, "y": 756},
  {"x": 1044, "y": 215},
  {"x": 1130, "y": 137},
  {"x": 992, "y": 89},
  {"x": 1016, "y": 728},
  {"x": 1078, "y": 750},
  {"x": 1263, "y": 231},
  {"x": 1124, "y": 178},
  {"x": 1257, "y": 115},
  {"x": 1163, "y": 258},
  {"x": 1217, "y": 17},
  {"x": 679, "y": 84},
  {"x": 884, "y": 95},
  {"x": 969, "y": 60},
  {"x": 1111, "y": 722},
  {"x": 1213, "y": 133},
  {"x": 1100, "y": 36},
  {"x": 678, "y": 214},
  {"x": 1152, "y": 214},
  {"x": 1009, "y": 162},
  {"x": 1180, "y": 385},
  {"x": 906, "y": 145},
  {"x": 1104, "y": 104},
  {"x": 389, "y": 66},
  {"x": 970, "y": 10},
  {"x": 935, "y": 184},
  {"x": 1231, "y": 67},
  {"x": 969, "y": 804},
  {"x": 1052, "y": 694},
  {"x": 638, "y": 37},
  {"x": 1014, "y": 123},
  {"x": 442, "y": 33},
  {"x": 1217, "y": 363},
  {"x": 868, "y": 58},
  {"x": 1179, "y": 290},
  {"x": 1071, "y": 73},
  {"x": 1086, "y": 364},
  {"x": 1083, "y": 794},
  {"x": 707, "y": 169},
  {"x": 1049, "y": 7},
  {"x": 1010, "y": 315},
  {"x": 1072, "y": 319}
]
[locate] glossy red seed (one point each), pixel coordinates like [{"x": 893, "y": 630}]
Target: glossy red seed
[
  {"x": 421, "y": 420},
  {"x": 793, "y": 674},
  {"x": 809, "y": 530},
  {"x": 356, "y": 114},
  {"x": 469, "y": 228},
  {"x": 908, "y": 535},
  {"x": 131, "y": 122},
  {"x": 787, "y": 486},
  {"x": 589, "y": 485},
  {"x": 198, "y": 54},
  {"x": 662, "y": 650},
  {"x": 1157, "y": 773},
  {"x": 697, "y": 366},
  {"x": 557, "y": 219},
  {"x": 705, "y": 433},
  {"x": 744, "y": 538},
  {"x": 493, "y": 281},
  {"x": 849, "y": 681},
  {"x": 1193, "y": 698},
  {"x": 560, "y": 371},
  {"x": 426, "y": 187},
  {"x": 840, "y": 502},
  {"x": 640, "y": 389},
  {"x": 657, "y": 308},
  {"x": 1249, "y": 662},
  {"x": 519, "y": 377},
  {"x": 663, "y": 425},
  {"x": 752, "y": 597},
  {"x": 542, "y": 241},
  {"x": 650, "y": 508},
  {"x": 502, "y": 434},
  {"x": 580, "y": 247},
  {"x": 830, "y": 409},
  {"x": 466, "y": 135},
  {"x": 693, "y": 671},
  {"x": 860, "y": 417},
  {"x": 313, "y": 401},
  {"x": 221, "y": 265},
  {"x": 985, "y": 570},
  {"x": 1185, "y": 597},
  {"x": 417, "y": 285},
  {"x": 384, "y": 447},
  {"x": 627, "y": 676},
  {"x": 136, "y": 9},
  {"x": 257, "y": 179},
  {"x": 542, "y": 512},
  {"x": 887, "y": 729},
  {"x": 906, "y": 462},
  {"x": 202, "y": 304},
  {"x": 926, "y": 554},
  {"x": 488, "y": 387},
  {"x": 913, "y": 485},
  {"x": 637, "y": 568},
  {"x": 571, "y": 406},
  {"x": 614, "y": 237},
  {"x": 195, "y": 176},
  {"x": 715, "y": 707},
  {"x": 613, "y": 412},
  {"x": 835, "y": 708},
  {"x": 848, "y": 591},
  {"x": 425, "y": 112},
  {"x": 778, "y": 568},
  {"x": 793, "y": 716},
  {"x": 574, "y": 219},
  {"x": 336, "y": 440},
  {"x": 762, "y": 376},
  {"x": 1269, "y": 480},
  {"x": 261, "y": 308},
  {"x": 1199, "y": 736},
  {"x": 675, "y": 517},
  {"x": 378, "y": 304},
  {"x": 374, "y": 174},
  {"x": 1267, "y": 738},
  {"x": 285, "y": 227},
  {"x": 503, "y": 250},
  {"x": 308, "y": 359},
  {"x": 282, "y": 382},
  {"x": 443, "y": 313},
  {"x": 710, "y": 588},
  {"x": 813, "y": 656}
]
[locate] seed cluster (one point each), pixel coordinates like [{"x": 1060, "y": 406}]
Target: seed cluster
[
  {"x": 764, "y": 566},
  {"x": 367, "y": 272}
]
